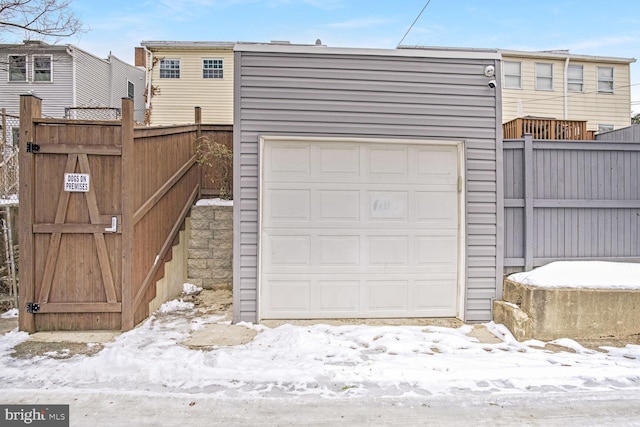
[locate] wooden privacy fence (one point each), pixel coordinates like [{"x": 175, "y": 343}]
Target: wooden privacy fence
[
  {"x": 101, "y": 204},
  {"x": 570, "y": 200}
]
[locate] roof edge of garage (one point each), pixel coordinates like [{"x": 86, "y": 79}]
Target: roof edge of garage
[{"x": 403, "y": 51}]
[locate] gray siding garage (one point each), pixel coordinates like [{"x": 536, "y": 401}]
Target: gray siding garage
[{"x": 366, "y": 183}]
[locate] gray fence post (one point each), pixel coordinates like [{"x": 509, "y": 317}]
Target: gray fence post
[{"x": 528, "y": 202}]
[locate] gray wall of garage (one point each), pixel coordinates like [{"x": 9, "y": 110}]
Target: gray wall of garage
[{"x": 400, "y": 93}]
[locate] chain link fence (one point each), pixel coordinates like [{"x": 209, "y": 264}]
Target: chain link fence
[
  {"x": 93, "y": 113},
  {"x": 9, "y": 133}
]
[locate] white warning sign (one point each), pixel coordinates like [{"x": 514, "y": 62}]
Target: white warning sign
[{"x": 76, "y": 182}]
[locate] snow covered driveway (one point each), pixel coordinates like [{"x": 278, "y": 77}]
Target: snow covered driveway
[{"x": 322, "y": 361}]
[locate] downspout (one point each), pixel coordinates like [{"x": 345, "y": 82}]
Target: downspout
[
  {"x": 566, "y": 89},
  {"x": 73, "y": 77},
  {"x": 150, "y": 73}
]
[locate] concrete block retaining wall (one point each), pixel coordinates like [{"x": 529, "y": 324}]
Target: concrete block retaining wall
[{"x": 210, "y": 254}]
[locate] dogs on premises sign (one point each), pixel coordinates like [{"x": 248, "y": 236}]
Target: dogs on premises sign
[{"x": 76, "y": 182}]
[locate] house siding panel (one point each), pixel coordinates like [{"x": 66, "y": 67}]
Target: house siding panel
[
  {"x": 314, "y": 94},
  {"x": 175, "y": 99},
  {"x": 596, "y": 108},
  {"x": 55, "y": 95},
  {"x": 121, "y": 72},
  {"x": 92, "y": 81}
]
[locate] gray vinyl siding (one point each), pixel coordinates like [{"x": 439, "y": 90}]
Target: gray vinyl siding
[
  {"x": 571, "y": 200},
  {"x": 55, "y": 95},
  {"x": 372, "y": 96},
  {"x": 121, "y": 72},
  {"x": 92, "y": 81},
  {"x": 627, "y": 134}
]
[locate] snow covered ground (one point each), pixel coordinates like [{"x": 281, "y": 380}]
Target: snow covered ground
[{"x": 320, "y": 362}]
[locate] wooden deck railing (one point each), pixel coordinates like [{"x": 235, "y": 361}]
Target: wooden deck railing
[{"x": 546, "y": 129}]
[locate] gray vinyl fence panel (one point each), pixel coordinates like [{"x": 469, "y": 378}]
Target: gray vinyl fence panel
[
  {"x": 372, "y": 96},
  {"x": 628, "y": 134},
  {"x": 570, "y": 200}
]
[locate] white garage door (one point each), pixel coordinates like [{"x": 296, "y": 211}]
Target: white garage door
[{"x": 361, "y": 230}]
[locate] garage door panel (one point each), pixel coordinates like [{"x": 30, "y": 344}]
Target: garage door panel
[
  {"x": 340, "y": 250},
  {"x": 339, "y": 296},
  {"x": 289, "y": 251},
  {"x": 339, "y": 162},
  {"x": 438, "y": 208},
  {"x": 339, "y": 205},
  {"x": 288, "y": 296},
  {"x": 358, "y": 230},
  {"x": 388, "y": 250},
  {"x": 387, "y": 162},
  {"x": 436, "y": 251},
  {"x": 388, "y": 295},
  {"x": 288, "y": 205},
  {"x": 287, "y": 161},
  {"x": 437, "y": 163},
  {"x": 435, "y": 294},
  {"x": 388, "y": 205}
]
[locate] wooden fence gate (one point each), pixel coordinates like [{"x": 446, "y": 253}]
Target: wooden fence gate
[
  {"x": 76, "y": 244},
  {"x": 101, "y": 205}
]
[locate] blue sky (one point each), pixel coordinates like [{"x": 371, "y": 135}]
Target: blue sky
[{"x": 584, "y": 26}]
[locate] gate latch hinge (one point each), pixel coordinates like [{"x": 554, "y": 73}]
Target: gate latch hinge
[
  {"x": 32, "y": 148},
  {"x": 33, "y": 307}
]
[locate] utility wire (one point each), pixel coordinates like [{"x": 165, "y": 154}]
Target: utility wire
[{"x": 414, "y": 23}]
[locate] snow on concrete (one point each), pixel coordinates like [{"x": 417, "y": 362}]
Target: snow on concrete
[
  {"x": 326, "y": 361},
  {"x": 12, "y": 313},
  {"x": 214, "y": 202},
  {"x": 322, "y": 361},
  {"x": 582, "y": 274}
]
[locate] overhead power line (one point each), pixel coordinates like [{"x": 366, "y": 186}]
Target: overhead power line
[{"x": 414, "y": 23}]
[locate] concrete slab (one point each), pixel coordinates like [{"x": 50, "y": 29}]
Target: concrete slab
[
  {"x": 7, "y": 325},
  {"x": 78, "y": 337},
  {"x": 219, "y": 335},
  {"x": 581, "y": 314}
]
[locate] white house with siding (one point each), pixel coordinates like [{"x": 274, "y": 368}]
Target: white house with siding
[
  {"x": 565, "y": 86},
  {"x": 182, "y": 75},
  {"x": 367, "y": 183},
  {"x": 65, "y": 76}
]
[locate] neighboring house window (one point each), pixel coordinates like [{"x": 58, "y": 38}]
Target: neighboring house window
[
  {"x": 169, "y": 68},
  {"x": 544, "y": 76},
  {"x": 605, "y": 128},
  {"x": 42, "y": 68},
  {"x": 212, "y": 68},
  {"x": 15, "y": 135},
  {"x": 575, "y": 78},
  {"x": 17, "y": 68},
  {"x": 130, "y": 90},
  {"x": 512, "y": 75},
  {"x": 605, "y": 79}
]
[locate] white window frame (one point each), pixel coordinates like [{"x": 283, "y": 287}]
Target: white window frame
[
  {"x": 603, "y": 127},
  {"x": 26, "y": 68},
  {"x": 608, "y": 81},
  {"x": 506, "y": 75},
  {"x": 34, "y": 69},
  {"x": 213, "y": 72},
  {"x": 173, "y": 70},
  {"x": 131, "y": 94},
  {"x": 572, "y": 81},
  {"x": 544, "y": 78}
]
